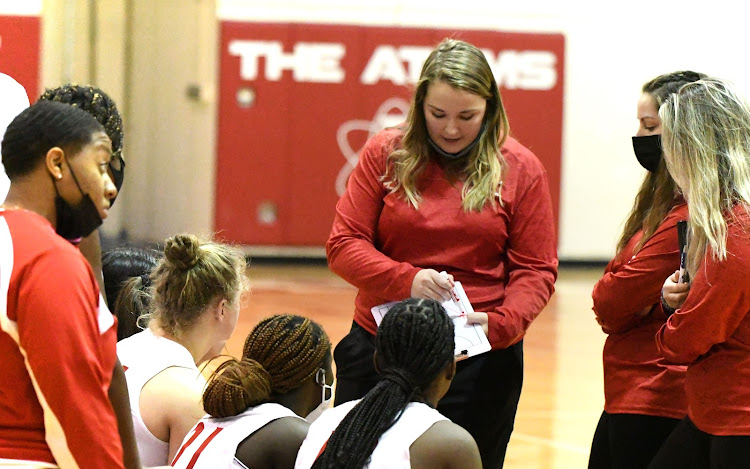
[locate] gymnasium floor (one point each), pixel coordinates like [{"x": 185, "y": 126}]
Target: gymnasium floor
[{"x": 562, "y": 396}]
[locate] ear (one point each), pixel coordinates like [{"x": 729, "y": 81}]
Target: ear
[
  {"x": 53, "y": 161},
  {"x": 221, "y": 309}
]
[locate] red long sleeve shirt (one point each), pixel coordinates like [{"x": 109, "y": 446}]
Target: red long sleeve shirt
[
  {"x": 505, "y": 258},
  {"x": 637, "y": 379},
  {"x": 710, "y": 334},
  {"x": 57, "y": 349}
]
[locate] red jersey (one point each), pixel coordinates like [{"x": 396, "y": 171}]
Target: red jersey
[
  {"x": 505, "y": 257},
  {"x": 637, "y": 379},
  {"x": 58, "y": 351},
  {"x": 710, "y": 334}
]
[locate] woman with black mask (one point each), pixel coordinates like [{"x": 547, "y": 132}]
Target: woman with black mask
[{"x": 644, "y": 398}]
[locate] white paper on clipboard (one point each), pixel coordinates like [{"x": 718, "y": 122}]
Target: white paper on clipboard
[{"x": 470, "y": 338}]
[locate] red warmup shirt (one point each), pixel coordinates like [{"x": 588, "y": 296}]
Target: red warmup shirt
[
  {"x": 57, "y": 349},
  {"x": 505, "y": 257},
  {"x": 710, "y": 334},
  {"x": 637, "y": 379}
]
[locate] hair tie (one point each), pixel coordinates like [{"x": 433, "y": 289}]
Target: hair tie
[{"x": 402, "y": 380}]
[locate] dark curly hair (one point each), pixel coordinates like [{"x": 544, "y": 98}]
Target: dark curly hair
[{"x": 94, "y": 101}]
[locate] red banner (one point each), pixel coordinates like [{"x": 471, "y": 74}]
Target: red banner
[
  {"x": 20, "y": 50},
  {"x": 298, "y": 101}
]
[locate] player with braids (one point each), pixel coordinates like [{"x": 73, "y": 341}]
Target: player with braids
[
  {"x": 255, "y": 404},
  {"x": 196, "y": 295},
  {"x": 644, "y": 398},
  {"x": 396, "y": 425},
  {"x": 98, "y": 104}
]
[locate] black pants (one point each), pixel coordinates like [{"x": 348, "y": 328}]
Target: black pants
[
  {"x": 689, "y": 448},
  {"x": 482, "y": 398},
  {"x": 628, "y": 441}
]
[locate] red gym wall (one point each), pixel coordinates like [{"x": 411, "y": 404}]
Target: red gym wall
[
  {"x": 298, "y": 101},
  {"x": 19, "y": 51}
]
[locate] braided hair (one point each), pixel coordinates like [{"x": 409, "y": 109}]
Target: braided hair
[
  {"x": 280, "y": 354},
  {"x": 414, "y": 343}
]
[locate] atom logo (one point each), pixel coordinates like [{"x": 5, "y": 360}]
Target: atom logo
[{"x": 392, "y": 112}]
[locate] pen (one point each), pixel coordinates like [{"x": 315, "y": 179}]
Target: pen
[{"x": 682, "y": 242}]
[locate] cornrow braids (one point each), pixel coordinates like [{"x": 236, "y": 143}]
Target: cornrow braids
[
  {"x": 280, "y": 354},
  {"x": 414, "y": 343}
]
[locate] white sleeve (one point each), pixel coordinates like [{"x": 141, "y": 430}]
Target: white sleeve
[{"x": 14, "y": 100}]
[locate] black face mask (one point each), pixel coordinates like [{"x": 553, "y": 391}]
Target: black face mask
[
  {"x": 117, "y": 167},
  {"x": 648, "y": 151},
  {"x": 459, "y": 154},
  {"x": 75, "y": 222}
]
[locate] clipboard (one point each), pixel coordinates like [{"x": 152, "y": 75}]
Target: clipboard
[{"x": 470, "y": 338}]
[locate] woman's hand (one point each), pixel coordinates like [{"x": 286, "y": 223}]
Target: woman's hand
[
  {"x": 674, "y": 293},
  {"x": 482, "y": 319},
  {"x": 429, "y": 283}
]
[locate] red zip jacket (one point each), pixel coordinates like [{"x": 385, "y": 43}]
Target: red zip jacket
[
  {"x": 637, "y": 379},
  {"x": 505, "y": 258},
  {"x": 710, "y": 334}
]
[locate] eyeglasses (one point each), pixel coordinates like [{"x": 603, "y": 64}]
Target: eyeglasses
[
  {"x": 117, "y": 163},
  {"x": 320, "y": 378}
]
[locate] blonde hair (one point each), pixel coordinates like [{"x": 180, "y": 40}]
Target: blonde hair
[
  {"x": 464, "y": 67},
  {"x": 706, "y": 141},
  {"x": 190, "y": 276},
  {"x": 656, "y": 196}
]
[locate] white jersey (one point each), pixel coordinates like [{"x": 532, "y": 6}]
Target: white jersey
[
  {"x": 14, "y": 100},
  {"x": 212, "y": 443},
  {"x": 392, "y": 451},
  {"x": 143, "y": 356}
]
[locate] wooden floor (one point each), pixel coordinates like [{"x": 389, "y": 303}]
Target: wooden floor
[{"x": 562, "y": 395}]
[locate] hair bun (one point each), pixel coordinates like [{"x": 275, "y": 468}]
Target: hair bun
[
  {"x": 183, "y": 251},
  {"x": 235, "y": 386}
]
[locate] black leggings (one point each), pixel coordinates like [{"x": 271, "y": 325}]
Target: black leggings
[
  {"x": 482, "y": 398},
  {"x": 689, "y": 448},
  {"x": 628, "y": 441}
]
